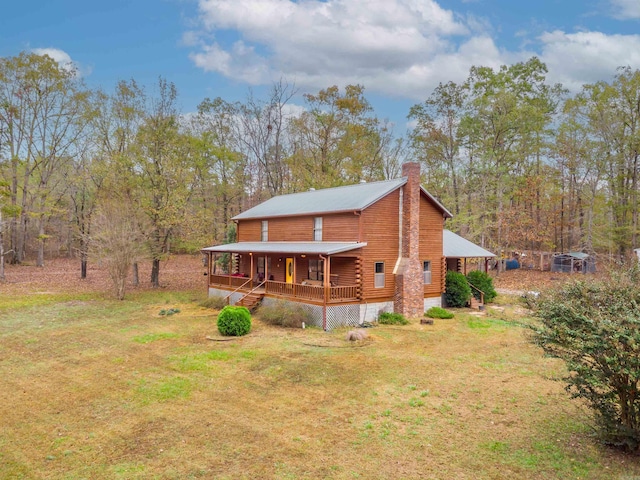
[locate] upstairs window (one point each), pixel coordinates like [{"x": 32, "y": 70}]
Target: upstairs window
[
  {"x": 264, "y": 233},
  {"x": 426, "y": 271},
  {"x": 378, "y": 270},
  {"x": 317, "y": 229}
]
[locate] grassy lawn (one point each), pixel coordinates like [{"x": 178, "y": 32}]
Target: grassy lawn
[{"x": 94, "y": 388}]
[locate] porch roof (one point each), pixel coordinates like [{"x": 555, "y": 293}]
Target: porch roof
[
  {"x": 309, "y": 248},
  {"x": 454, "y": 246}
]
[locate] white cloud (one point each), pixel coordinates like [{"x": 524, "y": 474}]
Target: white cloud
[
  {"x": 400, "y": 47},
  {"x": 63, "y": 59},
  {"x": 574, "y": 59},
  {"x": 626, "y": 9}
]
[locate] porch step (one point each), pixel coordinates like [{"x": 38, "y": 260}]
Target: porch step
[
  {"x": 251, "y": 301},
  {"x": 475, "y": 304}
]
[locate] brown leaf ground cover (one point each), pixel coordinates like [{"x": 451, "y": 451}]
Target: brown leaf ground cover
[
  {"x": 179, "y": 272},
  {"x": 95, "y": 388}
]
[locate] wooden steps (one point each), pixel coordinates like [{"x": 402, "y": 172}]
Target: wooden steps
[
  {"x": 475, "y": 304},
  {"x": 251, "y": 300}
]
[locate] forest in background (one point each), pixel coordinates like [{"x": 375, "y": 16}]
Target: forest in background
[{"x": 521, "y": 164}]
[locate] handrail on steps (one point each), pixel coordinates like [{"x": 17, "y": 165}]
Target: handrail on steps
[
  {"x": 241, "y": 286},
  {"x": 251, "y": 291},
  {"x": 481, "y": 292}
]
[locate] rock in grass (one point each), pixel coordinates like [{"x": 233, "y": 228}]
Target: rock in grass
[{"x": 356, "y": 335}]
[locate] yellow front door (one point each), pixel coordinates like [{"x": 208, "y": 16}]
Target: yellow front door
[{"x": 289, "y": 270}]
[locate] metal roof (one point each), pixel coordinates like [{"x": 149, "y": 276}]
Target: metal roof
[
  {"x": 310, "y": 248},
  {"x": 329, "y": 200},
  {"x": 577, "y": 255},
  {"x": 454, "y": 246}
]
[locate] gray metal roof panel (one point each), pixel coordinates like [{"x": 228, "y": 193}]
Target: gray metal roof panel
[
  {"x": 338, "y": 199},
  {"x": 454, "y": 246},
  {"x": 310, "y": 248}
]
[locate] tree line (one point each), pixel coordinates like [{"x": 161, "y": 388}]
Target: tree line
[{"x": 522, "y": 165}]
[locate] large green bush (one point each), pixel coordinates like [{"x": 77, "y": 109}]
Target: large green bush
[
  {"x": 594, "y": 327},
  {"x": 457, "y": 290},
  {"x": 234, "y": 321},
  {"x": 285, "y": 314},
  {"x": 484, "y": 282}
]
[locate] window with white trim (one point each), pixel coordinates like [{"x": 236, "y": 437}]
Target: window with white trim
[
  {"x": 426, "y": 271},
  {"x": 264, "y": 232},
  {"x": 317, "y": 229},
  {"x": 378, "y": 275}
]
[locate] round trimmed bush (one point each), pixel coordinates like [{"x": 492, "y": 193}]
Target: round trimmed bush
[
  {"x": 484, "y": 282},
  {"x": 457, "y": 290},
  {"x": 234, "y": 321}
]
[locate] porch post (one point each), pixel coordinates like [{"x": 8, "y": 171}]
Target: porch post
[
  {"x": 251, "y": 266},
  {"x": 325, "y": 272}
]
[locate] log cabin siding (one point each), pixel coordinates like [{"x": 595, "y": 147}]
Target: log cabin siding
[
  {"x": 249, "y": 231},
  {"x": 341, "y": 227},
  {"x": 431, "y": 225},
  {"x": 380, "y": 225},
  {"x": 345, "y": 269},
  {"x": 292, "y": 229}
]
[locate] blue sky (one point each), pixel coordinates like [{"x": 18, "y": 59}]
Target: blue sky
[{"x": 398, "y": 49}]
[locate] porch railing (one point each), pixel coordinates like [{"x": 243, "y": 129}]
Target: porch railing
[
  {"x": 230, "y": 280},
  {"x": 313, "y": 293}
]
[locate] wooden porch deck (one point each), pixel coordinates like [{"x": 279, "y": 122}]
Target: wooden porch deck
[{"x": 313, "y": 293}]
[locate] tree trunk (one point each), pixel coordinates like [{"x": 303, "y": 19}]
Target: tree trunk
[
  {"x": 155, "y": 273},
  {"x": 83, "y": 268},
  {"x": 136, "y": 276},
  {"x": 121, "y": 287},
  {"x": 1, "y": 251},
  {"x": 40, "y": 259}
]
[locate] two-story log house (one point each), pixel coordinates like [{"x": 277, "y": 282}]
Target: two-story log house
[{"x": 345, "y": 253}]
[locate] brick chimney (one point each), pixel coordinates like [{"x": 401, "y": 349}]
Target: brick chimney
[{"x": 409, "y": 292}]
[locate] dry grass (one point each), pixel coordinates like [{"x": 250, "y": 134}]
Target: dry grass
[{"x": 95, "y": 388}]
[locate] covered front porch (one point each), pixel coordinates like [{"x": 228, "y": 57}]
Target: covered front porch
[{"x": 318, "y": 273}]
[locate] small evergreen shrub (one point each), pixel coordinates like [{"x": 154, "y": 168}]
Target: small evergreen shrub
[
  {"x": 484, "y": 282},
  {"x": 234, "y": 321},
  {"x": 216, "y": 302},
  {"x": 438, "y": 312},
  {"x": 391, "y": 318},
  {"x": 457, "y": 290},
  {"x": 285, "y": 314},
  {"x": 169, "y": 311}
]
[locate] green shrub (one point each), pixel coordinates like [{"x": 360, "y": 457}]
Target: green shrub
[
  {"x": 594, "y": 327},
  {"x": 484, "y": 282},
  {"x": 234, "y": 321},
  {"x": 391, "y": 318},
  {"x": 457, "y": 290},
  {"x": 437, "y": 312},
  {"x": 216, "y": 302},
  {"x": 285, "y": 314}
]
